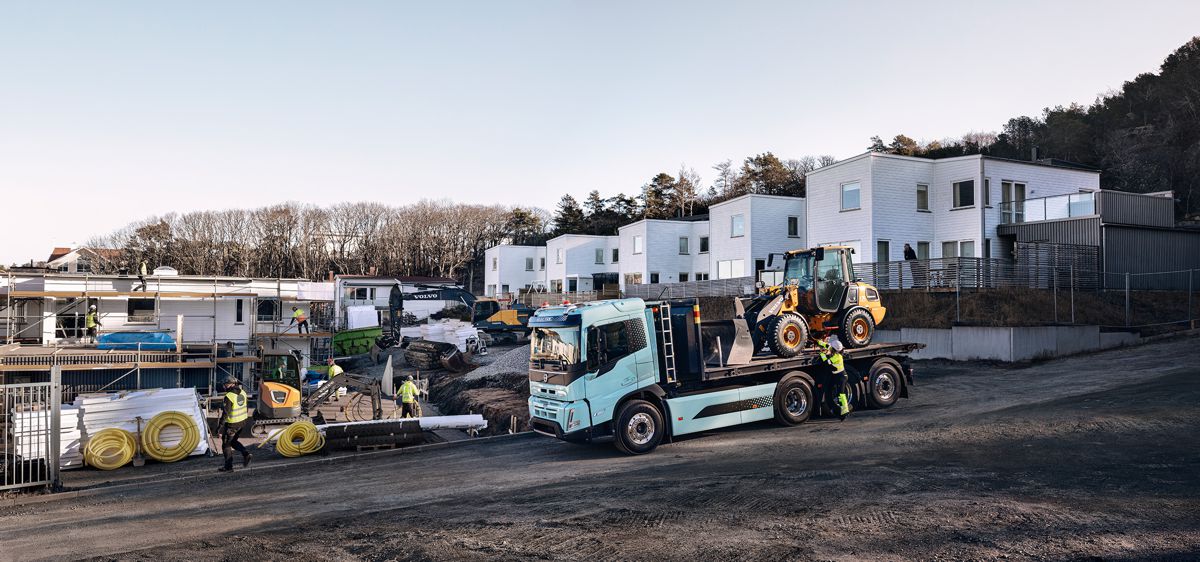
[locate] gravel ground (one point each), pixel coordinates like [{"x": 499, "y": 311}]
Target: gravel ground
[
  {"x": 1091, "y": 457},
  {"x": 502, "y": 361}
]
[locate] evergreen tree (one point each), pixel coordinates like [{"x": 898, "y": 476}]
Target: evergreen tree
[{"x": 569, "y": 218}]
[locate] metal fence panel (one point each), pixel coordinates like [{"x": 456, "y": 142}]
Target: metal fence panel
[
  {"x": 30, "y": 434},
  {"x": 737, "y": 286}
]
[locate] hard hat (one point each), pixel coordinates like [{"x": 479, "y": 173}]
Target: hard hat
[
  {"x": 93, "y": 307},
  {"x": 408, "y": 378},
  {"x": 836, "y": 345},
  {"x": 232, "y": 380}
]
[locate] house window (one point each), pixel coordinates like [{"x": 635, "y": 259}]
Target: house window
[
  {"x": 495, "y": 263},
  {"x": 653, "y": 278},
  {"x": 728, "y": 269},
  {"x": 737, "y": 226},
  {"x": 703, "y": 244},
  {"x": 359, "y": 293},
  {"x": 558, "y": 255},
  {"x": 683, "y": 277},
  {"x": 268, "y": 310},
  {"x": 793, "y": 227},
  {"x": 504, "y": 289},
  {"x": 600, "y": 255},
  {"x": 987, "y": 191},
  {"x": 83, "y": 266},
  {"x": 556, "y": 286},
  {"x": 922, "y": 250},
  {"x": 759, "y": 265},
  {"x": 683, "y": 246},
  {"x": 850, "y": 196},
  {"x": 949, "y": 249},
  {"x": 883, "y": 250},
  {"x": 237, "y": 311},
  {"x": 541, "y": 264},
  {"x": 140, "y": 311},
  {"x": 528, "y": 264},
  {"x": 572, "y": 285},
  {"x": 922, "y": 197},
  {"x": 616, "y": 255},
  {"x": 702, "y": 277},
  {"x": 1012, "y": 198},
  {"x": 964, "y": 194},
  {"x": 633, "y": 278},
  {"x": 637, "y": 245},
  {"x": 966, "y": 249}
]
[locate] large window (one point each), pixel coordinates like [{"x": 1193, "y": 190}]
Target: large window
[
  {"x": 883, "y": 250},
  {"x": 966, "y": 249},
  {"x": 950, "y": 249},
  {"x": 702, "y": 277},
  {"x": 964, "y": 193},
  {"x": 793, "y": 227},
  {"x": 140, "y": 311},
  {"x": 683, "y": 277},
  {"x": 616, "y": 255},
  {"x": 728, "y": 269},
  {"x": 528, "y": 264},
  {"x": 268, "y": 310},
  {"x": 703, "y": 244},
  {"x": 555, "y": 345},
  {"x": 922, "y": 250},
  {"x": 637, "y": 244},
  {"x": 737, "y": 226},
  {"x": 1012, "y": 206},
  {"x": 599, "y": 255},
  {"x": 683, "y": 246},
  {"x": 850, "y": 196},
  {"x": 653, "y": 278},
  {"x": 922, "y": 197}
]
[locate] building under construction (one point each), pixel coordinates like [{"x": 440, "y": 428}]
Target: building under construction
[{"x": 203, "y": 329}]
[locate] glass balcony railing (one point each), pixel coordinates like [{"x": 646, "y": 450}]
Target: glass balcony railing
[{"x": 1048, "y": 208}]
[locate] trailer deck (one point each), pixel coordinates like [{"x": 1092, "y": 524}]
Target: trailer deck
[{"x": 763, "y": 363}]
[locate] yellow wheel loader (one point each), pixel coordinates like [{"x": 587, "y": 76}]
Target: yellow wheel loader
[{"x": 819, "y": 295}]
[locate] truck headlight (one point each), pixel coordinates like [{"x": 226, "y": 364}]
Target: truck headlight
[{"x": 572, "y": 423}]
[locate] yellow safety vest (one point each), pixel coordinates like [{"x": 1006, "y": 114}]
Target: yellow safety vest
[
  {"x": 834, "y": 361},
  {"x": 408, "y": 392},
  {"x": 334, "y": 371},
  {"x": 299, "y": 316},
  {"x": 235, "y": 406},
  {"x": 142, "y": 269},
  {"x": 89, "y": 320}
]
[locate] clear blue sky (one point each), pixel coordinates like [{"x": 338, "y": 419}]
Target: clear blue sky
[{"x": 113, "y": 111}]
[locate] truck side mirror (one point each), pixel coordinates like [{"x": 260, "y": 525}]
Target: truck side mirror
[{"x": 819, "y": 253}]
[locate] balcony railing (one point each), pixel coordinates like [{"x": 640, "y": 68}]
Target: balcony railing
[{"x": 1048, "y": 208}]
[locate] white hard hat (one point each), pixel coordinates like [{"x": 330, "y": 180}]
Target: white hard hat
[
  {"x": 93, "y": 307},
  {"x": 836, "y": 345}
]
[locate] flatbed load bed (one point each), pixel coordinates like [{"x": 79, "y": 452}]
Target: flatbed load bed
[{"x": 763, "y": 363}]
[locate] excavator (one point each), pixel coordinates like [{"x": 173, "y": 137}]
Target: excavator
[{"x": 280, "y": 403}]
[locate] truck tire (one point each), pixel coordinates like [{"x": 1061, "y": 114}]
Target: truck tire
[
  {"x": 793, "y": 401},
  {"x": 857, "y": 329},
  {"x": 787, "y": 334},
  {"x": 639, "y": 427},
  {"x": 883, "y": 383}
]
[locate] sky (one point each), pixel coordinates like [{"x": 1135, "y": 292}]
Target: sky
[{"x": 112, "y": 112}]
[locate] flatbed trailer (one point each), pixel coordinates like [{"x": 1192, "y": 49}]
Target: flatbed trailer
[{"x": 640, "y": 373}]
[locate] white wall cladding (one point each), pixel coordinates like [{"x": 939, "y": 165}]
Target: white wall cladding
[
  {"x": 660, "y": 250},
  {"x": 506, "y": 265},
  {"x": 827, "y": 223},
  {"x": 578, "y": 257}
]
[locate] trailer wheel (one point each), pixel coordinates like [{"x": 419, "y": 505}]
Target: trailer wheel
[
  {"x": 639, "y": 428},
  {"x": 787, "y": 334},
  {"x": 793, "y": 402},
  {"x": 883, "y": 384},
  {"x": 858, "y": 327}
]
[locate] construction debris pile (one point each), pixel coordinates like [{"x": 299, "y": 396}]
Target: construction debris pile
[{"x": 499, "y": 391}]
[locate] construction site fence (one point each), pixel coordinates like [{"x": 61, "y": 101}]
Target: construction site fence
[
  {"x": 733, "y": 287},
  {"x": 975, "y": 273},
  {"x": 538, "y": 298},
  {"x": 30, "y": 433}
]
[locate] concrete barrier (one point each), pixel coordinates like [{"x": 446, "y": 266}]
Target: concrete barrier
[
  {"x": 939, "y": 343},
  {"x": 1011, "y": 344}
]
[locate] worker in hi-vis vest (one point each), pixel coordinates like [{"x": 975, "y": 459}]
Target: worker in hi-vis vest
[
  {"x": 141, "y": 277},
  {"x": 91, "y": 321},
  {"x": 234, "y": 413},
  {"x": 300, "y": 319},
  {"x": 334, "y": 369},
  {"x": 831, "y": 354},
  {"x": 407, "y": 397}
]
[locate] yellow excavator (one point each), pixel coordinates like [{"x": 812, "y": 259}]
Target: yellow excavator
[{"x": 819, "y": 295}]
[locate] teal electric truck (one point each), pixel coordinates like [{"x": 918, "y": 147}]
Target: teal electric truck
[{"x": 640, "y": 373}]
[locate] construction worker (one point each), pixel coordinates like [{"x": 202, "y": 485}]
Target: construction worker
[
  {"x": 141, "y": 277},
  {"x": 234, "y": 413},
  {"x": 300, "y": 319},
  {"x": 334, "y": 369},
  {"x": 91, "y": 321},
  {"x": 407, "y": 397},
  {"x": 831, "y": 354}
]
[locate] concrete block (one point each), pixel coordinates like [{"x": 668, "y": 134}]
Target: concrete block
[
  {"x": 1076, "y": 339},
  {"x": 977, "y": 342},
  {"x": 939, "y": 342},
  {"x": 887, "y": 336},
  {"x": 1034, "y": 342},
  {"x": 1109, "y": 340}
]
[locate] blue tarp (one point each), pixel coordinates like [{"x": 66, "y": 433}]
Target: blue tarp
[{"x": 150, "y": 341}]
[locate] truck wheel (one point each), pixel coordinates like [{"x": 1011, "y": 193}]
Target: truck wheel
[
  {"x": 793, "y": 402},
  {"x": 883, "y": 384},
  {"x": 639, "y": 427},
  {"x": 858, "y": 327},
  {"x": 787, "y": 334}
]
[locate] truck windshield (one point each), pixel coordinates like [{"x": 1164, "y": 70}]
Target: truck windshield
[
  {"x": 799, "y": 271},
  {"x": 558, "y": 345}
]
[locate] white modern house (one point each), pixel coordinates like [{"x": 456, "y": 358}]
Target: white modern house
[
  {"x": 509, "y": 268},
  {"x": 376, "y": 291},
  {"x": 745, "y": 230},
  {"x": 573, "y": 260},
  {"x": 663, "y": 251},
  {"x": 944, "y": 208}
]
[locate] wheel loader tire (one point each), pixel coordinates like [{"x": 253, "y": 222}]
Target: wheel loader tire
[
  {"x": 786, "y": 335},
  {"x": 858, "y": 327},
  {"x": 793, "y": 402},
  {"x": 883, "y": 384}
]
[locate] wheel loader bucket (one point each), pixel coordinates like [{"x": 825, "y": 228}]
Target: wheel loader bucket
[{"x": 726, "y": 332}]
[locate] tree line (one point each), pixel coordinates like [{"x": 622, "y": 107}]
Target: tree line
[{"x": 1143, "y": 138}]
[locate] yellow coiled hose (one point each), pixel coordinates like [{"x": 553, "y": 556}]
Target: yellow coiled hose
[
  {"x": 152, "y": 444},
  {"x": 300, "y": 438},
  {"x": 109, "y": 449}
]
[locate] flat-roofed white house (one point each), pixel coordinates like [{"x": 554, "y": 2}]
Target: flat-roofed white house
[
  {"x": 943, "y": 208},
  {"x": 744, "y": 231},
  {"x": 575, "y": 259},
  {"x": 510, "y": 268},
  {"x": 663, "y": 251}
]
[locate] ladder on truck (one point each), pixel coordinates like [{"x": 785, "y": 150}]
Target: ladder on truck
[{"x": 668, "y": 341}]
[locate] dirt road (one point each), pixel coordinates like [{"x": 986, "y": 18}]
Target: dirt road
[{"x": 1093, "y": 456}]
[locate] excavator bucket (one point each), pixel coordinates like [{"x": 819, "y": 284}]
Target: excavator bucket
[
  {"x": 726, "y": 332},
  {"x": 457, "y": 361}
]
